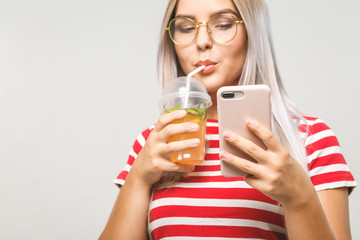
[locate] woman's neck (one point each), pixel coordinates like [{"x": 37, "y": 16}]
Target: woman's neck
[{"x": 212, "y": 111}]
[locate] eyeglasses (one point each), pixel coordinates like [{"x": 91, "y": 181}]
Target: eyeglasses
[{"x": 221, "y": 28}]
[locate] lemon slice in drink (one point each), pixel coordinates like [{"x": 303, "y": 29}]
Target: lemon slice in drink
[{"x": 196, "y": 120}]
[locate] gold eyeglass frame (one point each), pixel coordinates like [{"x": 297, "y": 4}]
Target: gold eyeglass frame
[{"x": 197, "y": 25}]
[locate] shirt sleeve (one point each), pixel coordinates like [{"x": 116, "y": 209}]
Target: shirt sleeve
[
  {"x": 134, "y": 151},
  {"x": 327, "y": 166}
]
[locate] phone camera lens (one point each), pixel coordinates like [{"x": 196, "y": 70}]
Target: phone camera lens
[{"x": 228, "y": 95}]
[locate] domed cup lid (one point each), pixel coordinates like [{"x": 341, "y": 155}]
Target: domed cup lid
[{"x": 184, "y": 93}]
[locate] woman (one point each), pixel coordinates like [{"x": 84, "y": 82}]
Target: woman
[{"x": 299, "y": 192}]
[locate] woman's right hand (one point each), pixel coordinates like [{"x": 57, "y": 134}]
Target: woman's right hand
[
  {"x": 154, "y": 158},
  {"x": 128, "y": 219}
]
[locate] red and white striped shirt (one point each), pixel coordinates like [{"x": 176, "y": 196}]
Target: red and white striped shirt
[{"x": 206, "y": 205}]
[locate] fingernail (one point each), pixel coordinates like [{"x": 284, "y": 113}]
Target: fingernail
[
  {"x": 223, "y": 154},
  {"x": 250, "y": 122},
  {"x": 227, "y": 135},
  {"x": 195, "y": 127},
  {"x": 182, "y": 113},
  {"x": 196, "y": 142}
]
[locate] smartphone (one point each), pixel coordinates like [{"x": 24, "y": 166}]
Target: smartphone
[{"x": 235, "y": 105}]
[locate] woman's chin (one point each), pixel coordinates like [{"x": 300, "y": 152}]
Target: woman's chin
[{"x": 213, "y": 86}]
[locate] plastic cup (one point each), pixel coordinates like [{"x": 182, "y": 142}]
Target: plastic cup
[{"x": 189, "y": 94}]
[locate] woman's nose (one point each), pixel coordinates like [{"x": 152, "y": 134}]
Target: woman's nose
[{"x": 203, "y": 40}]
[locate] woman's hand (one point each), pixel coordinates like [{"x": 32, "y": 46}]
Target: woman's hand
[
  {"x": 277, "y": 174},
  {"x": 154, "y": 158},
  {"x": 128, "y": 219}
]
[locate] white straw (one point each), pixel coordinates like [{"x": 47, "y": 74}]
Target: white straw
[
  {"x": 196, "y": 71},
  {"x": 188, "y": 82}
]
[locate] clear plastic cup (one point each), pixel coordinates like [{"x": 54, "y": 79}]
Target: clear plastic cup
[{"x": 189, "y": 94}]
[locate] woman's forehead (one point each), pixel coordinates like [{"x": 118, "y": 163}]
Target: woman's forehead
[{"x": 202, "y": 9}]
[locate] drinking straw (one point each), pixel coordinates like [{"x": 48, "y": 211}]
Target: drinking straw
[
  {"x": 192, "y": 74},
  {"x": 188, "y": 81},
  {"x": 196, "y": 71}
]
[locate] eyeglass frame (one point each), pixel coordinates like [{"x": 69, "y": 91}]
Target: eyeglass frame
[{"x": 197, "y": 26}]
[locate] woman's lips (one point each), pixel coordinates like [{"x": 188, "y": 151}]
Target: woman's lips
[
  {"x": 209, "y": 69},
  {"x": 210, "y": 66}
]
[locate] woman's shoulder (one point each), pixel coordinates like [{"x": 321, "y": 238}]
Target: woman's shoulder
[
  {"x": 310, "y": 119},
  {"x": 318, "y": 137},
  {"x": 312, "y": 125},
  {"x": 327, "y": 166}
]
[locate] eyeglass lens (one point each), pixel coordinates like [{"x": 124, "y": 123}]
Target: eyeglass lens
[{"x": 222, "y": 28}]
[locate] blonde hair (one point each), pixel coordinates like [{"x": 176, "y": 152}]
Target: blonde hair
[{"x": 259, "y": 68}]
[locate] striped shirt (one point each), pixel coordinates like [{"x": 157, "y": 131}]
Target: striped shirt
[{"x": 206, "y": 205}]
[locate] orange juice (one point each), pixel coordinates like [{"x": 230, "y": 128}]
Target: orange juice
[{"x": 195, "y": 155}]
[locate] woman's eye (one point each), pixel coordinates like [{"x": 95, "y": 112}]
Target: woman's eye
[
  {"x": 224, "y": 26},
  {"x": 186, "y": 29}
]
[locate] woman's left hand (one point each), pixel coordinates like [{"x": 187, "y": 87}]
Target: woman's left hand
[{"x": 276, "y": 173}]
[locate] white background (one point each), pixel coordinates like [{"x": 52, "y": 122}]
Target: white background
[{"x": 78, "y": 83}]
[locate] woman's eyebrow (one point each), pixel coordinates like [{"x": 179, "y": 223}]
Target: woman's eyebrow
[
  {"x": 185, "y": 16},
  {"x": 226, "y": 10}
]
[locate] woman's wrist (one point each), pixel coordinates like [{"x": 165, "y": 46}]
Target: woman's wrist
[
  {"x": 301, "y": 200},
  {"x": 305, "y": 217},
  {"x": 136, "y": 182},
  {"x": 303, "y": 194}
]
